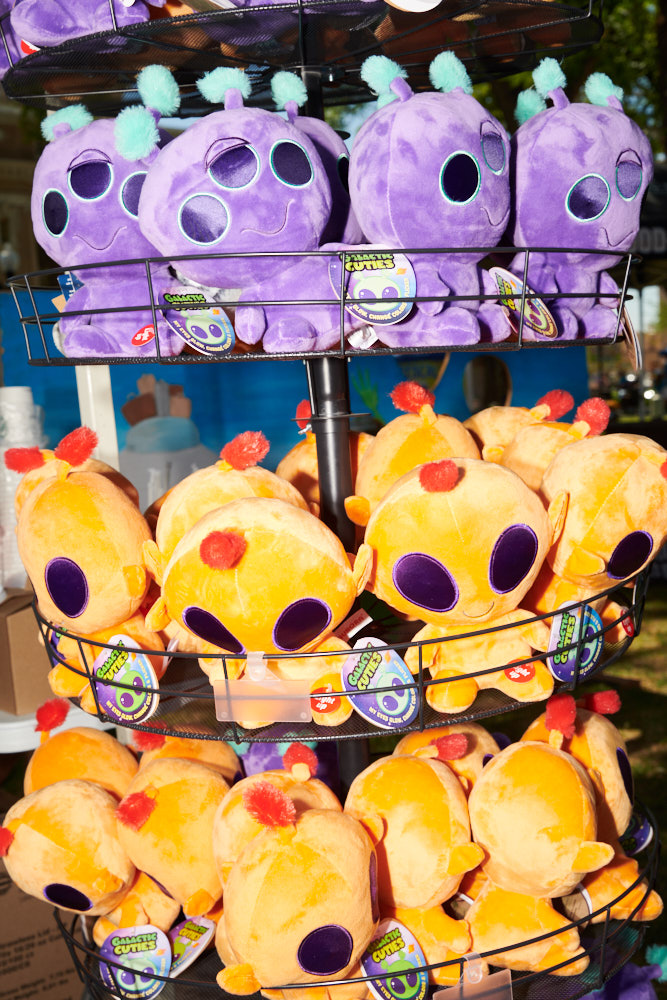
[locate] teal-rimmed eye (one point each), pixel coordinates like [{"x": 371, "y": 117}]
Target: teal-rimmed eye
[
  {"x": 235, "y": 168},
  {"x": 55, "y": 212},
  {"x": 291, "y": 164},
  {"x": 588, "y": 198},
  {"x": 493, "y": 151},
  {"x": 203, "y": 219},
  {"x": 91, "y": 180},
  {"x": 460, "y": 178},
  {"x": 131, "y": 191},
  {"x": 629, "y": 176}
]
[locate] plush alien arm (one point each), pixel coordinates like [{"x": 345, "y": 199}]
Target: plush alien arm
[{"x": 429, "y": 282}]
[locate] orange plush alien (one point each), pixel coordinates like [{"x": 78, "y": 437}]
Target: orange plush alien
[{"x": 494, "y": 427}]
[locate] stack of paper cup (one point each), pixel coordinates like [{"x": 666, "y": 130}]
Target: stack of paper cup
[{"x": 19, "y": 428}]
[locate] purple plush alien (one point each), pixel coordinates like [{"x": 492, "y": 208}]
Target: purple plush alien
[
  {"x": 580, "y": 172},
  {"x": 84, "y": 211},
  {"x": 430, "y": 170},
  {"x": 50, "y": 22},
  {"x": 10, "y": 44}
]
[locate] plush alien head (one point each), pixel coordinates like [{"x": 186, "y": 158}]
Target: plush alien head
[
  {"x": 599, "y": 166},
  {"x": 429, "y": 164},
  {"x": 458, "y": 541},
  {"x": 87, "y": 182},
  {"x": 239, "y": 180},
  {"x": 50, "y": 22},
  {"x": 10, "y": 51},
  {"x": 617, "y": 508},
  {"x": 289, "y": 94}
]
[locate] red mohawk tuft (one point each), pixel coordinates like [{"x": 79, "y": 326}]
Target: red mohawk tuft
[
  {"x": 451, "y": 747},
  {"x": 23, "y": 459},
  {"x": 245, "y": 450},
  {"x": 297, "y": 753},
  {"x": 78, "y": 446},
  {"x": 222, "y": 549},
  {"x": 559, "y": 402},
  {"x": 6, "y": 838},
  {"x": 410, "y": 397},
  {"x": 135, "y": 809},
  {"x": 303, "y": 414},
  {"x": 268, "y": 805},
  {"x": 51, "y": 714},
  {"x": 663, "y": 469},
  {"x": 603, "y": 702},
  {"x": 596, "y": 413},
  {"x": 147, "y": 741},
  {"x": 561, "y": 714},
  {"x": 439, "y": 477}
]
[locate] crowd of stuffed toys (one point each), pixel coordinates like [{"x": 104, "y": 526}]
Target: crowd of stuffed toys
[
  {"x": 470, "y": 847},
  {"x": 245, "y": 180},
  {"x": 472, "y": 531}
]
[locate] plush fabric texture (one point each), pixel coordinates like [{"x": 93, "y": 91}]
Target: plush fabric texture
[
  {"x": 300, "y": 468},
  {"x": 407, "y": 441},
  {"x": 238, "y": 180},
  {"x": 84, "y": 209},
  {"x": 83, "y": 753},
  {"x": 290, "y": 589},
  {"x": 441, "y": 938},
  {"x": 12, "y": 40},
  {"x": 296, "y": 887},
  {"x": 533, "y": 448},
  {"x": 174, "y": 845},
  {"x": 617, "y": 512},
  {"x": 426, "y": 165},
  {"x": 206, "y": 489},
  {"x": 417, "y": 814},
  {"x": 601, "y": 165},
  {"x": 80, "y": 539},
  {"x": 234, "y": 827},
  {"x": 612, "y": 881},
  {"x": 532, "y": 810},
  {"x": 466, "y": 768},
  {"x": 49, "y": 470},
  {"x": 50, "y": 22},
  {"x": 144, "y": 903},
  {"x": 65, "y": 848},
  {"x": 214, "y": 753},
  {"x": 496, "y": 426}
]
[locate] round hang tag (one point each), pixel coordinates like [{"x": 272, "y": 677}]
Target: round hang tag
[
  {"x": 133, "y": 702},
  {"x": 142, "y": 952},
  {"x": 395, "y": 960}
]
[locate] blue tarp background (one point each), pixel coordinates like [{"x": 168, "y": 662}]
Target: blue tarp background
[{"x": 230, "y": 398}]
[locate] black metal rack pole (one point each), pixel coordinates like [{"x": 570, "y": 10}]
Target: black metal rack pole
[{"x": 329, "y": 390}]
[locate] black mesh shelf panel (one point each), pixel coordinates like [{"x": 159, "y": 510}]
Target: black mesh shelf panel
[{"x": 493, "y": 37}]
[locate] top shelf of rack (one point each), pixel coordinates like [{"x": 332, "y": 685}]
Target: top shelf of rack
[{"x": 330, "y": 37}]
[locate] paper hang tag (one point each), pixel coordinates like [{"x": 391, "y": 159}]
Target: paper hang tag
[
  {"x": 207, "y": 329},
  {"x": 536, "y": 316},
  {"x": 396, "y": 961},
  {"x": 374, "y": 279},
  {"x": 630, "y": 340},
  {"x": 566, "y": 627},
  {"x": 188, "y": 941},
  {"x": 369, "y": 669},
  {"x": 639, "y": 833},
  {"x": 143, "y": 952},
  {"x": 497, "y": 986},
  {"x": 130, "y": 667}
]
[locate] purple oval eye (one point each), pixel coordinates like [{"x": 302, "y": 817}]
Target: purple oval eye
[
  {"x": 343, "y": 165},
  {"x": 325, "y": 950},
  {"x": 67, "y": 896},
  {"x": 290, "y": 164},
  {"x": 493, "y": 150},
  {"x": 130, "y": 191},
  {"x": 210, "y": 629},
  {"x": 301, "y": 622},
  {"x": 90, "y": 180},
  {"x": 203, "y": 219},
  {"x": 486, "y": 758},
  {"x": 626, "y": 772},
  {"x": 424, "y": 581},
  {"x": 630, "y": 553},
  {"x": 373, "y": 876},
  {"x": 588, "y": 198},
  {"x": 459, "y": 178},
  {"x": 67, "y": 586},
  {"x": 235, "y": 167},
  {"x": 55, "y": 212},
  {"x": 628, "y": 179},
  {"x": 512, "y": 558}
]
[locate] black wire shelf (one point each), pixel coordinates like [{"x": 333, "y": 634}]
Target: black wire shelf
[
  {"x": 327, "y": 38},
  {"x": 187, "y": 702},
  {"x": 609, "y": 944}
]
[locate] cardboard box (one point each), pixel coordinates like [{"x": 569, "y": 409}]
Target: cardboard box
[
  {"x": 24, "y": 663},
  {"x": 34, "y": 958}
]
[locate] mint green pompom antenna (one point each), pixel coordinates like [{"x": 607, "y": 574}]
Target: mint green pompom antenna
[
  {"x": 528, "y": 104},
  {"x": 549, "y": 80},
  {"x": 136, "y": 133},
  {"x": 289, "y": 93},
  {"x": 386, "y": 79},
  {"x": 225, "y": 85},
  {"x": 447, "y": 73},
  {"x": 66, "y": 120},
  {"x": 600, "y": 90}
]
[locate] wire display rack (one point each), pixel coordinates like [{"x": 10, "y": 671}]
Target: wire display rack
[
  {"x": 609, "y": 944},
  {"x": 187, "y": 702},
  {"x": 331, "y": 38},
  {"x": 34, "y": 293}
]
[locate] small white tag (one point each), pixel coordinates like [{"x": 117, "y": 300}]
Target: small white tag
[{"x": 352, "y": 625}]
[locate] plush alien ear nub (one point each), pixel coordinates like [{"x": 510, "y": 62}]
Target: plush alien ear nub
[
  {"x": 136, "y": 134},
  {"x": 225, "y": 85},
  {"x": 64, "y": 121},
  {"x": 549, "y": 81},
  {"x": 599, "y": 89},
  {"x": 528, "y": 104},
  {"x": 386, "y": 79},
  {"x": 289, "y": 93},
  {"x": 448, "y": 73}
]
